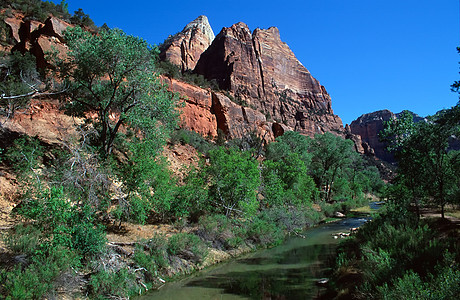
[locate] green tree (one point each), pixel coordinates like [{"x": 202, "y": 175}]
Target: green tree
[
  {"x": 286, "y": 181},
  {"x": 234, "y": 179},
  {"x": 330, "y": 155},
  {"x": 113, "y": 75},
  {"x": 425, "y": 164}
]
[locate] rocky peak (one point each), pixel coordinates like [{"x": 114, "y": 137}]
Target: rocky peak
[
  {"x": 201, "y": 23},
  {"x": 262, "y": 72},
  {"x": 185, "y": 48}
]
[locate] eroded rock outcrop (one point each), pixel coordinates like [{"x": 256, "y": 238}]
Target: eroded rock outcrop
[
  {"x": 206, "y": 112},
  {"x": 185, "y": 48},
  {"x": 37, "y": 38},
  {"x": 368, "y": 127},
  {"x": 258, "y": 69}
]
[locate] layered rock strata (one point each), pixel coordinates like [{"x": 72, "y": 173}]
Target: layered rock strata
[
  {"x": 208, "y": 112},
  {"x": 185, "y": 48},
  {"x": 261, "y": 71}
]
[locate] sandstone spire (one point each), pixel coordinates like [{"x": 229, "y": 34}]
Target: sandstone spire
[{"x": 184, "y": 48}]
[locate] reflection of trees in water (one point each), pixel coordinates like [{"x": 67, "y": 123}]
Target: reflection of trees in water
[{"x": 293, "y": 275}]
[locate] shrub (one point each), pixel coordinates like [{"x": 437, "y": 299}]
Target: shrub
[
  {"x": 221, "y": 231},
  {"x": 187, "y": 245},
  {"x": 289, "y": 219},
  {"x": 113, "y": 284},
  {"x": 35, "y": 279},
  {"x": 193, "y": 139},
  {"x": 152, "y": 254},
  {"x": 264, "y": 233}
]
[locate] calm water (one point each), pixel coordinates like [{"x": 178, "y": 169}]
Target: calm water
[{"x": 288, "y": 271}]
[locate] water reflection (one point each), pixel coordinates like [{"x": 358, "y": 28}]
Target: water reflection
[{"x": 289, "y": 271}]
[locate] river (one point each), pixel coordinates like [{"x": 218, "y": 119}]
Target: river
[{"x": 288, "y": 271}]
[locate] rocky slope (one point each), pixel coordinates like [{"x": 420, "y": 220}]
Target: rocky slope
[
  {"x": 264, "y": 87},
  {"x": 184, "y": 48}
]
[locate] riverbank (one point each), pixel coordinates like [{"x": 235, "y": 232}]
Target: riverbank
[
  {"x": 397, "y": 256},
  {"x": 287, "y": 271}
]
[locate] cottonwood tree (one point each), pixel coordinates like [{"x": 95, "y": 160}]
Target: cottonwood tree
[
  {"x": 330, "y": 155},
  {"x": 113, "y": 76},
  {"x": 426, "y": 165},
  {"x": 114, "y": 87}
]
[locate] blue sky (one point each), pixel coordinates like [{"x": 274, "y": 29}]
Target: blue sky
[{"x": 369, "y": 54}]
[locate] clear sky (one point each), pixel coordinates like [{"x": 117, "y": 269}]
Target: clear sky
[{"x": 369, "y": 54}]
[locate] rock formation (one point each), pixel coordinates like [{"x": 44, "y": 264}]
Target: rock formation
[
  {"x": 35, "y": 37},
  {"x": 260, "y": 71},
  {"x": 184, "y": 48},
  {"x": 207, "y": 112},
  {"x": 368, "y": 126}
]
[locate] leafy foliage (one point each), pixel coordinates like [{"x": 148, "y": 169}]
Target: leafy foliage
[
  {"x": 18, "y": 77},
  {"x": 113, "y": 75},
  {"x": 234, "y": 179}
]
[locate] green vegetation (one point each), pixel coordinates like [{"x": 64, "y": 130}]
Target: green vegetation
[
  {"x": 112, "y": 171},
  {"x": 171, "y": 70},
  {"x": 400, "y": 255},
  {"x": 41, "y": 10}
]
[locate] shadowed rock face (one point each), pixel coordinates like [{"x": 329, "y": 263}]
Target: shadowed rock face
[
  {"x": 184, "y": 48},
  {"x": 368, "y": 126},
  {"x": 259, "y": 69},
  {"x": 37, "y": 38}
]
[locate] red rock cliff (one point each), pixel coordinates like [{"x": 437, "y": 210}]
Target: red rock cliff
[
  {"x": 184, "y": 48},
  {"x": 261, "y": 71}
]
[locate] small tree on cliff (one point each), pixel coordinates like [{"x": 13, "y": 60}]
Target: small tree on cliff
[{"x": 112, "y": 75}]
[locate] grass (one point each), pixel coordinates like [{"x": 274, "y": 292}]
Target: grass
[
  {"x": 453, "y": 213},
  {"x": 363, "y": 209}
]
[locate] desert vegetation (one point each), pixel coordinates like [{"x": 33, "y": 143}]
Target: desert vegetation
[
  {"x": 402, "y": 253},
  {"x": 112, "y": 171},
  {"x": 243, "y": 194}
]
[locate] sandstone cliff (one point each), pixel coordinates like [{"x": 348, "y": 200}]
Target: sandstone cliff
[
  {"x": 261, "y": 72},
  {"x": 206, "y": 112},
  {"x": 185, "y": 48},
  {"x": 368, "y": 127},
  {"x": 264, "y": 87},
  {"x": 35, "y": 37}
]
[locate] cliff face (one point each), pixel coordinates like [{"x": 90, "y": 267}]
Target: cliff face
[
  {"x": 368, "y": 126},
  {"x": 258, "y": 69},
  {"x": 35, "y": 37},
  {"x": 206, "y": 112},
  {"x": 265, "y": 88},
  {"x": 184, "y": 48}
]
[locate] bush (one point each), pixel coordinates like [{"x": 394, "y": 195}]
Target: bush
[
  {"x": 289, "y": 219},
  {"x": 221, "y": 231},
  {"x": 113, "y": 284},
  {"x": 32, "y": 281},
  {"x": 193, "y": 139},
  {"x": 152, "y": 254},
  {"x": 188, "y": 246},
  {"x": 263, "y": 233}
]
